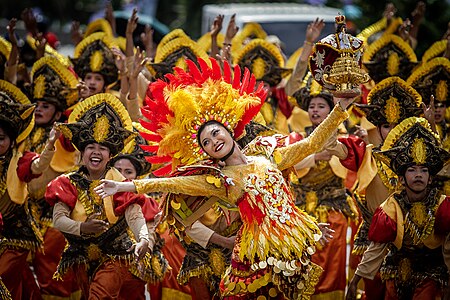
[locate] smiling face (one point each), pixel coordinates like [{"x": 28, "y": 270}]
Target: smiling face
[
  {"x": 216, "y": 141},
  {"x": 5, "y": 142},
  {"x": 95, "y": 82},
  {"x": 416, "y": 178},
  {"x": 439, "y": 113},
  {"x": 126, "y": 168},
  {"x": 318, "y": 110},
  {"x": 95, "y": 157},
  {"x": 45, "y": 113}
]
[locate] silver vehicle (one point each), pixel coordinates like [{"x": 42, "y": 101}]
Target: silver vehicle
[{"x": 288, "y": 21}]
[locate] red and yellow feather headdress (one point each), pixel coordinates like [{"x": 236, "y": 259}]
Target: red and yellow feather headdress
[{"x": 177, "y": 107}]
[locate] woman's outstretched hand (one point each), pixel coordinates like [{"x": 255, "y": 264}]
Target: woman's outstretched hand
[{"x": 111, "y": 187}]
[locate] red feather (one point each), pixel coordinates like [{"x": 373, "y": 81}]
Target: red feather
[
  {"x": 164, "y": 171},
  {"x": 158, "y": 159},
  {"x": 237, "y": 77},
  {"x": 251, "y": 84},
  {"x": 245, "y": 80},
  {"x": 226, "y": 72},
  {"x": 216, "y": 72},
  {"x": 195, "y": 72},
  {"x": 151, "y": 137},
  {"x": 206, "y": 71},
  {"x": 150, "y": 148}
]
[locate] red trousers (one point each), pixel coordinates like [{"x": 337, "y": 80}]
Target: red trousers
[
  {"x": 428, "y": 290},
  {"x": 17, "y": 276},
  {"x": 45, "y": 264},
  {"x": 111, "y": 281}
]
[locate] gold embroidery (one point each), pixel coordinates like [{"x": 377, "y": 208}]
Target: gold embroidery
[
  {"x": 217, "y": 261},
  {"x": 39, "y": 87},
  {"x": 393, "y": 64},
  {"x": 96, "y": 61},
  {"x": 94, "y": 252},
  {"x": 392, "y": 110},
  {"x": 419, "y": 151},
  {"x": 404, "y": 269},
  {"x": 101, "y": 129},
  {"x": 442, "y": 91},
  {"x": 419, "y": 214}
]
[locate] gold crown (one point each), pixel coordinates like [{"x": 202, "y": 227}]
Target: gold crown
[{"x": 340, "y": 19}]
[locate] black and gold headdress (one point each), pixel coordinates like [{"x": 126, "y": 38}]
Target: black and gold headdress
[
  {"x": 437, "y": 49},
  {"x": 5, "y": 49},
  {"x": 433, "y": 78},
  {"x": 389, "y": 56},
  {"x": 16, "y": 110},
  {"x": 264, "y": 60},
  {"x": 98, "y": 25},
  {"x": 54, "y": 83},
  {"x": 174, "y": 53},
  {"x": 250, "y": 31},
  {"x": 49, "y": 51},
  {"x": 101, "y": 119},
  {"x": 412, "y": 142},
  {"x": 391, "y": 101},
  {"x": 310, "y": 90},
  {"x": 93, "y": 55},
  {"x": 376, "y": 30}
]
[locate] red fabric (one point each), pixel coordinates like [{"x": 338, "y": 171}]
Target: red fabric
[
  {"x": 52, "y": 40},
  {"x": 24, "y": 166},
  {"x": 441, "y": 223},
  {"x": 61, "y": 189},
  {"x": 124, "y": 199},
  {"x": 364, "y": 93},
  {"x": 249, "y": 214},
  {"x": 17, "y": 275},
  {"x": 113, "y": 281},
  {"x": 332, "y": 258},
  {"x": 294, "y": 137},
  {"x": 150, "y": 208},
  {"x": 283, "y": 102},
  {"x": 66, "y": 143},
  {"x": 382, "y": 229},
  {"x": 427, "y": 290},
  {"x": 374, "y": 289},
  {"x": 45, "y": 264},
  {"x": 356, "y": 148}
]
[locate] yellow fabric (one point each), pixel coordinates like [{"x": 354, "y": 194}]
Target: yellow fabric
[
  {"x": 393, "y": 210},
  {"x": 79, "y": 214},
  {"x": 299, "y": 120},
  {"x": 367, "y": 171},
  {"x": 63, "y": 161},
  {"x": 168, "y": 293},
  {"x": 18, "y": 191}
]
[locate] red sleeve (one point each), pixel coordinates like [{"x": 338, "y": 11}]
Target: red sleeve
[
  {"x": 150, "y": 208},
  {"x": 124, "y": 199},
  {"x": 442, "y": 217},
  {"x": 65, "y": 142},
  {"x": 61, "y": 190},
  {"x": 24, "y": 166},
  {"x": 356, "y": 148},
  {"x": 382, "y": 229}
]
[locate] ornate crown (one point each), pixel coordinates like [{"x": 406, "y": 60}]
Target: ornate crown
[
  {"x": 391, "y": 101},
  {"x": 16, "y": 110},
  {"x": 54, "y": 83},
  {"x": 101, "y": 119},
  {"x": 176, "y": 109},
  {"x": 413, "y": 142},
  {"x": 433, "y": 78}
]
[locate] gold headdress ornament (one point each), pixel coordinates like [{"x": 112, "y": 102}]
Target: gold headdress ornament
[
  {"x": 174, "y": 54},
  {"x": 413, "y": 142},
  {"x": 99, "y": 25},
  {"x": 437, "y": 49},
  {"x": 389, "y": 56},
  {"x": 101, "y": 119},
  {"x": 5, "y": 49},
  {"x": 16, "y": 110},
  {"x": 49, "y": 51},
  {"x": 249, "y": 31},
  {"x": 177, "y": 107},
  {"x": 174, "y": 34},
  {"x": 54, "y": 83},
  {"x": 433, "y": 78},
  {"x": 335, "y": 62},
  {"x": 264, "y": 60},
  {"x": 371, "y": 33},
  {"x": 93, "y": 54},
  {"x": 391, "y": 101}
]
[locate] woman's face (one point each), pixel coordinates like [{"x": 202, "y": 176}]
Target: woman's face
[
  {"x": 95, "y": 157},
  {"x": 126, "y": 168},
  {"x": 318, "y": 110},
  {"x": 5, "y": 142},
  {"x": 45, "y": 113},
  {"x": 385, "y": 129},
  {"x": 216, "y": 141},
  {"x": 439, "y": 113},
  {"x": 95, "y": 82}
]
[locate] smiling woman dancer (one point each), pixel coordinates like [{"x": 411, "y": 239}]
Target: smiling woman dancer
[{"x": 197, "y": 115}]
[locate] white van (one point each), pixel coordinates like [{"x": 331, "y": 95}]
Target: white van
[{"x": 288, "y": 21}]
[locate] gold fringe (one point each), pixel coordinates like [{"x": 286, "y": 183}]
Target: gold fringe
[{"x": 384, "y": 41}]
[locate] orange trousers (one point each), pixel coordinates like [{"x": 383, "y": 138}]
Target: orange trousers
[
  {"x": 45, "y": 264},
  {"x": 17, "y": 276},
  {"x": 111, "y": 281},
  {"x": 332, "y": 258}
]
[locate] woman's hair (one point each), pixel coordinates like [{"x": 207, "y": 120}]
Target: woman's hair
[
  {"x": 134, "y": 162},
  {"x": 9, "y": 130},
  {"x": 203, "y": 126}
]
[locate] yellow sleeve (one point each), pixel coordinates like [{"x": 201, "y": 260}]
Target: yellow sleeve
[
  {"x": 195, "y": 185},
  {"x": 294, "y": 153}
]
